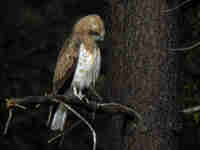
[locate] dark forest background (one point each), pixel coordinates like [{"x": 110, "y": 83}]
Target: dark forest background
[{"x": 31, "y": 35}]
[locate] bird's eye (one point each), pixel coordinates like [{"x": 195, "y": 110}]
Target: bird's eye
[{"x": 94, "y": 33}]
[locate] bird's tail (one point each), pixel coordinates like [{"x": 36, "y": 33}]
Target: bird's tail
[{"x": 59, "y": 118}]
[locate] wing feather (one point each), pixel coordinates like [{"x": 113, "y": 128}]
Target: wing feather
[{"x": 66, "y": 63}]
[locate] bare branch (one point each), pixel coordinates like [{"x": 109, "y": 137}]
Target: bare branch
[
  {"x": 115, "y": 108},
  {"x": 177, "y": 7},
  {"x": 86, "y": 122},
  {"x": 186, "y": 48},
  {"x": 65, "y": 132},
  {"x": 109, "y": 108},
  {"x": 191, "y": 110},
  {"x": 8, "y": 122},
  {"x": 70, "y": 100}
]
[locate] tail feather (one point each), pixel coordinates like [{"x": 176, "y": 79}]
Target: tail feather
[{"x": 59, "y": 118}]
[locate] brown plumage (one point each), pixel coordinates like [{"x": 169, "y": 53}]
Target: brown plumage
[
  {"x": 66, "y": 63},
  {"x": 67, "y": 58},
  {"x": 79, "y": 58}
]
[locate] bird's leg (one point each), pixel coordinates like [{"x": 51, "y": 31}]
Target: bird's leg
[
  {"x": 78, "y": 93},
  {"x": 93, "y": 90}
]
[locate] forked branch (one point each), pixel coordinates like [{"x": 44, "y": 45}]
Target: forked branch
[{"x": 69, "y": 102}]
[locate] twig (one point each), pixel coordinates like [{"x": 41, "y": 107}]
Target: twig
[
  {"x": 20, "y": 106},
  {"x": 10, "y": 103},
  {"x": 118, "y": 108},
  {"x": 186, "y": 48},
  {"x": 177, "y": 7},
  {"x": 65, "y": 132},
  {"x": 8, "y": 122},
  {"x": 109, "y": 108},
  {"x": 49, "y": 116},
  {"x": 91, "y": 106},
  {"x": 85, "y": 121},
  {"x": 191, "y": 110}
]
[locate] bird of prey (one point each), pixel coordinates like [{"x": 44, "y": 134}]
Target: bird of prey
[{"x": 78, "y": 61}]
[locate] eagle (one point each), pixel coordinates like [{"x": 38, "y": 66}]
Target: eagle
[{"x": 78, "y": 62}]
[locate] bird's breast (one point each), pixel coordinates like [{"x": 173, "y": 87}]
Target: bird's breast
[{"x": 87, "y": 68}]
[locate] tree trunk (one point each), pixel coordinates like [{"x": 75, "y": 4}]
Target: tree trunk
[
  {"x": 140, "y": 71},
  {"x": 143, "y": 73}
]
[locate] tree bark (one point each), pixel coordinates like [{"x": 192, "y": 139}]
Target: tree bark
[
  {"x": 139, "y": 72},
  {"x": 143, "y": 73}
]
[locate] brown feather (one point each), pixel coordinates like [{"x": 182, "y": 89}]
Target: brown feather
[
  {"x": 66, "y": 62},
  {"x": 88, "y": 42},
  {"x": 68, "y": 56}
]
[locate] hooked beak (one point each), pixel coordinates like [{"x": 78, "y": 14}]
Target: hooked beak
[
  {"x": 101, "y": 38},
  {"x": 98, "y": 38}
]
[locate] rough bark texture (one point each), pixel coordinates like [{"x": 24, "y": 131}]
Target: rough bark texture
[{"x": 143, "y": 73}]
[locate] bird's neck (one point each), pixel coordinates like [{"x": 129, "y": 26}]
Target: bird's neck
[{"x": 87, "y": 40}]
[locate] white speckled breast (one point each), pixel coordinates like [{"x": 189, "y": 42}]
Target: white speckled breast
[{"x": 87, "y": 69}]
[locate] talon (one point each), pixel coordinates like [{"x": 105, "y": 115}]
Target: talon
[
  {"x": 78, "y": 93},
  {"x": 86, "y": 100},
  {"x": 93, "y": 90}
]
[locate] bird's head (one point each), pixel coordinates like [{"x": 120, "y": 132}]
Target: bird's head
[{"x": 92, "y": 25}]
